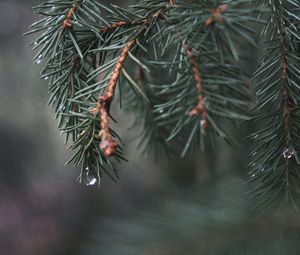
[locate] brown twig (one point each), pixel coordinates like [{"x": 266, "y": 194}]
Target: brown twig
[
  {"x": 68, "y": 20},
  {"x": 108, "y": 145},
  {"x": 200, "y": 107},
  {"x": 216, "y": 15}
]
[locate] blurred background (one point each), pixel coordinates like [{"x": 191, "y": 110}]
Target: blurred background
[{"x": 195, "y": 205}]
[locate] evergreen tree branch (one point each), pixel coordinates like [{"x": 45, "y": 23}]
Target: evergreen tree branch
[
  {"x": 210, "y": 57},
  {"x": 275, "y": 161},
  {"x": 87, "y": 48}
]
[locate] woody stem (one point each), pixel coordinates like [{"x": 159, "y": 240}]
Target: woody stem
[{"x": 108, "y": 145}]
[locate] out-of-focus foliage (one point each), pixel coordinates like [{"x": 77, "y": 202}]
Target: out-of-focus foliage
[{"x": 196, "y": 222}]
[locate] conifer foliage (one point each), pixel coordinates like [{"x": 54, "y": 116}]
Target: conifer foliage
[
  {"x": 276, "y": 159},
  {"x": 91, "y": 54}
]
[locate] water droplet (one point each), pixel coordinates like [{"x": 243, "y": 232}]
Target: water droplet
[
  {"x": 39, "y": 59},
  {"x": 161, "y": 111},
  {"x": 63, "y": 108},
  {"x": 89, "y": 179},
  {"x": 203, "y": 123},
  {"x": 288, "y": 153},
  {"x": 35, "y": 43},
  {"x": 90, "y": 182},
  {"x": 253, "y": 175},
  {"x": 46, "y": 78}
]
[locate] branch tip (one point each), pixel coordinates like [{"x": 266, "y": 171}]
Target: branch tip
[
  {"x": 200, "y": 107},
  {"x": 108, "y": 145}
]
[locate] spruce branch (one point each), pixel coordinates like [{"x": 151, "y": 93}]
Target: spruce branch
[
  {"x": 275, "y": 161},
  {"x": 87, "y": 49},
  {"x": 200, "y": 107},
  {"x": 70, "y": 34},
  {"x": 78, "y": 48},
  {"x": 209, "y": 57}
]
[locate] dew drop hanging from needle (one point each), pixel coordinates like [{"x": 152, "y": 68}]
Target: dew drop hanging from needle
[
  {"x": 38, "y": 60},
  {"x": 89, "y": 179},
  {"x": 203, "y": 123},
  {"x": 288, "y": 153}
]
